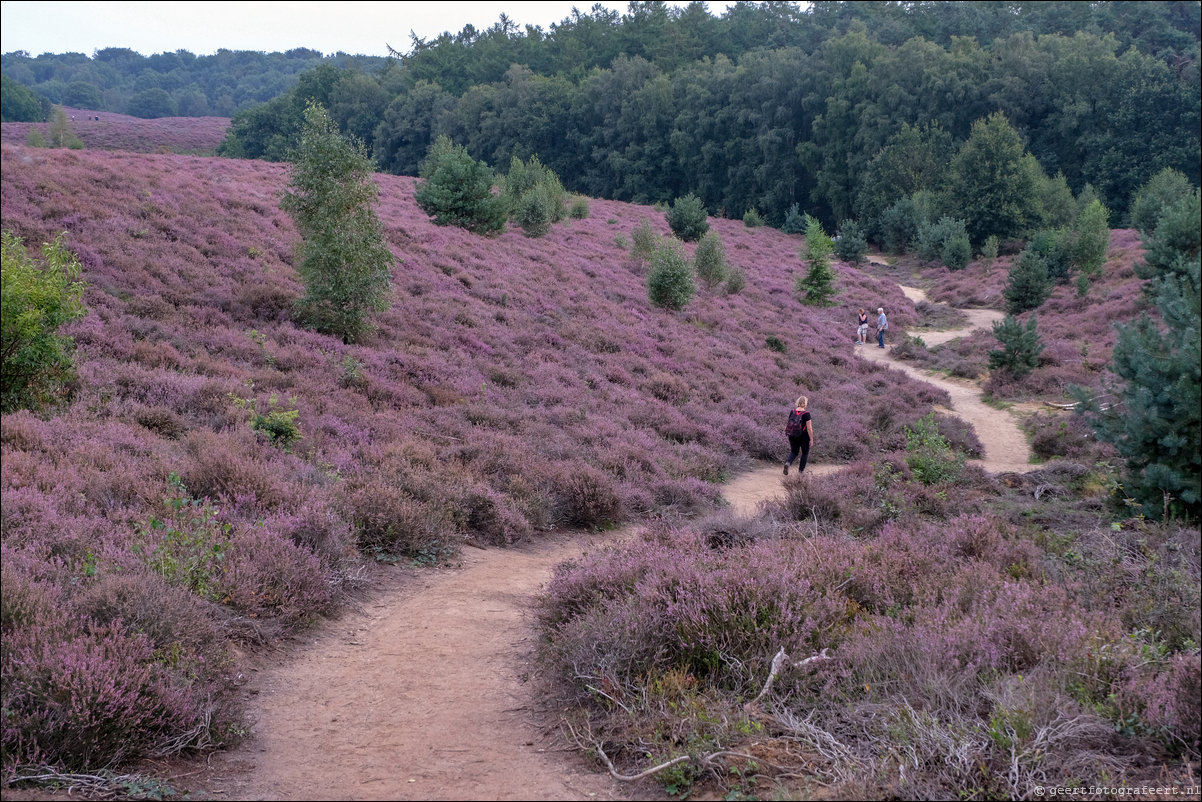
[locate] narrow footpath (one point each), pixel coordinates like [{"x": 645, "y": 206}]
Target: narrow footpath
[{"x": 423, "y": 693}]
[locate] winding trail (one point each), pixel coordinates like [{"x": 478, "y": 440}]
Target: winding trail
[
  {"x": 1005, "y": 446},
  {"x": 422, "y": 693}
]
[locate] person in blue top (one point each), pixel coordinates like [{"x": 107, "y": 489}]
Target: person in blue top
[
  {"x": 882, "y": 323},
  {"x": 800, "y": 431}
]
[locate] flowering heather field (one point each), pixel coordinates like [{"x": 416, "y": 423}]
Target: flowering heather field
[
  {"x": 516, "y": 385},
  {"x": 158, "y": 521},
  {"x": 198, "y": 136}
]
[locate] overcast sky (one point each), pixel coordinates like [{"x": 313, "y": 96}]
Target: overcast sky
[{"x": 357, "y": 28}]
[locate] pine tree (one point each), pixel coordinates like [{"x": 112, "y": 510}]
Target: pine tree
[
  {"x": 1029, "y": 285},
  {"x": 1157, "y": 427},
  {"x": 343, "y": 257},
  {"x": 1021, "y": 346},
  {"x": 456, "y": 190},
  {"x": 817, "y": 287}
]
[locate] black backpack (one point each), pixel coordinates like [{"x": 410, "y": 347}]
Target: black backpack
[{"x": 796, "y": 425}]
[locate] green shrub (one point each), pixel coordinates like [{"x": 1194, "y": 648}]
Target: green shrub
[
  {"x": 794, "y": 221},
  {"x": 279, "y": 425},
  {"x": 1029, "y": 285},
  {"x": 187, "y": 543},
  {"x": 752, "y": 219},
  {"x": 535, "y": 211},
  {"x": 670, "y": 282},
  {"x": 989, "y": 252},
  {"x": 687, "y": 218},
  {"x": 736, "y": 280},
  {"x": 929, "y": 455},
  {"x": 956, "y": 252},
  {"x": 37, "y": 301},
  {"x": 643, "y": 241},
  {"x": 579, "y": 208},
  {"x": 1093, "y": 238},
  {"x": 851, "y": 244},
  {"x": 456, "y": 190},
  {"x": 710, "y": 260},
  {"x": 534, "y": 195},
  {"x": 1020, "y": 346},
  {"x": 775, "y": 344}
]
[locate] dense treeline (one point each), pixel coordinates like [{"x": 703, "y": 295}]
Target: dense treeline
[
  {"x": 770, "y": 106},
  {"x": 123, "y": 81},
  {"x": 838, "y": 109}
]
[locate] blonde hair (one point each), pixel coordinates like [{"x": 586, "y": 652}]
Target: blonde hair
[{"x": 802, "y": 402}]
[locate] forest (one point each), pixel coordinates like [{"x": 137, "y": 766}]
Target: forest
[{"x": 768, "y": 106}]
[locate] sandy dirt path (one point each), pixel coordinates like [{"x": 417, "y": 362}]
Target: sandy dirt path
[
  {"x": 422, "y": 693},
  {"x": 1005, "y": 445}
]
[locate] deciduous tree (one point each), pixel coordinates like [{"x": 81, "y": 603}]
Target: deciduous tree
[{"x": 343, "y": 257}]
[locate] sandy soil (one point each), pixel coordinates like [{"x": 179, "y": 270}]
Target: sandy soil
[
  {"x": 423, "y": 691},
  {"x": 1005, "y": 445}
]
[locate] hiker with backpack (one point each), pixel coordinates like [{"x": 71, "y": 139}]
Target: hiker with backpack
[{"x": 800, "y": 431}]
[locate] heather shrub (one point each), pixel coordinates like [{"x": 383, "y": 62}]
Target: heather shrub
[
  {"x": 395, "y": 521},
  {"x": 224, "y": 467},
  {"x": 1166, "y": 704},
  {"x": 314, "y": 525},
  {"x": 586, "y": 497},
  {"x": 670, "y": 281},
  {"x": 490, "y": 516},
  {"x": 176, "y": 622},
  {"x": 687, "y": 218},
  {"x": 162, "y": 422},
  {"x": 860, "y": 498},
  {"x": 1063, "y": 436},
  {"x": 38, "y": 300},
  {"x": 266, "y": 302},
  {"x": 266, "y": 576},
  {"x": 80, "y": 695},
  {"x": 90, "y": 699}
]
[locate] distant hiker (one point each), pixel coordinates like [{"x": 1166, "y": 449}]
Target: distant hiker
[
  {"x": 882, "y": 323},
  {"x": 800, "y": 431},
  {"x": 862, "y": 328}
]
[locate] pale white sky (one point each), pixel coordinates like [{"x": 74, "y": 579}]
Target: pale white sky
[{"x": 357, "y": 28}]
